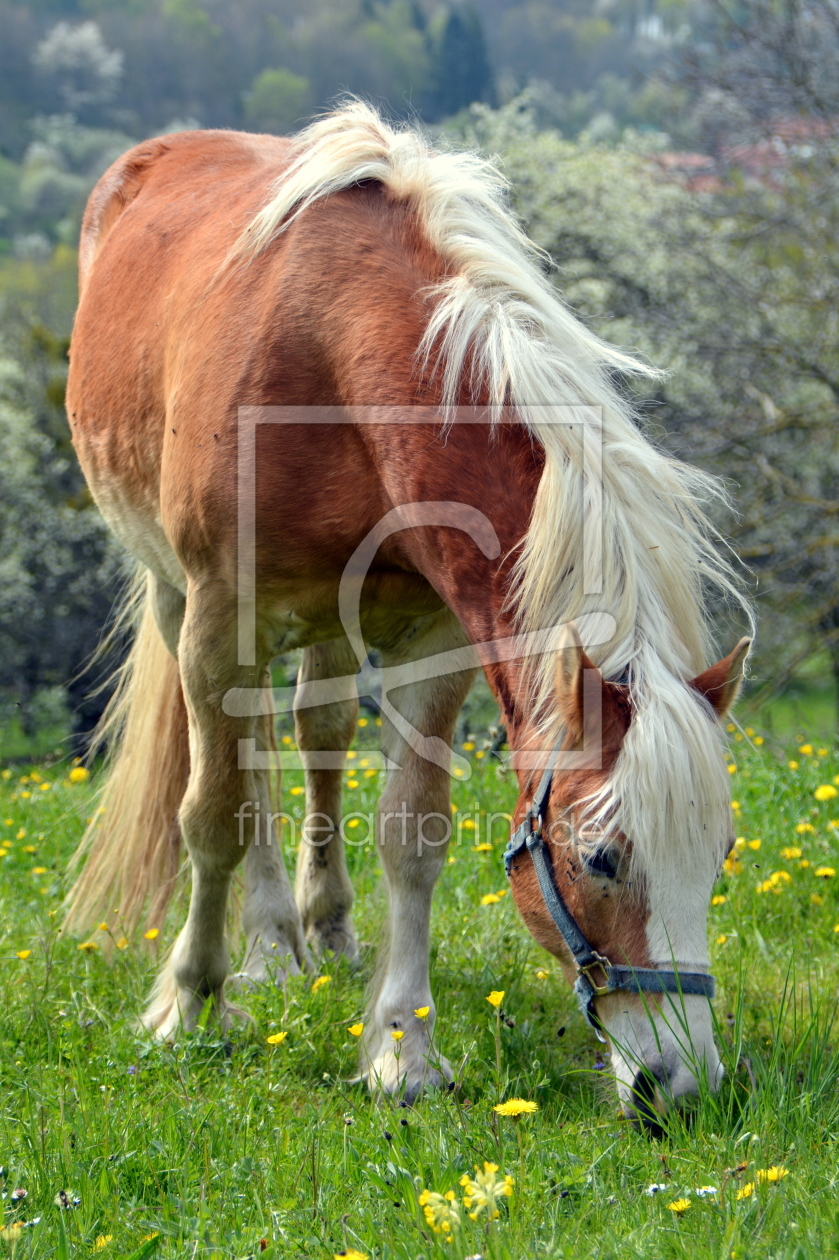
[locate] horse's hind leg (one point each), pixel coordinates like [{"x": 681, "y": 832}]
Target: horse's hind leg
[
  {"x": 322, "y": 886},
  {"x": 413, "y": 828},
  {"x": 216, "y": 816}
]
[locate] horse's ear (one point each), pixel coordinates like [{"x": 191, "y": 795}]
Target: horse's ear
[
  {"x": 720, "y": 685},
  {"x": 571, "y": 663}
]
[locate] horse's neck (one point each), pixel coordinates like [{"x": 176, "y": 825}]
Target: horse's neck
[{"x": 489, "y": 479}]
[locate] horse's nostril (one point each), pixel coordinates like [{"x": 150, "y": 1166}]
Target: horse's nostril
[{"x": 643, "y": 1104}]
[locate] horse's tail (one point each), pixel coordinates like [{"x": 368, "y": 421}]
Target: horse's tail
[{"x": 132, "y": 843}]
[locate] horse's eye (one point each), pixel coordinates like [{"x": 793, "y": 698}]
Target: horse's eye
[{"x": 601, "y": 863}]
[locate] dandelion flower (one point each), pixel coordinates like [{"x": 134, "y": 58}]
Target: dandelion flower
[
  {"x": 296, "y": 791},
  {"x": 722, "y": 938},
  {"x": 776, "y": 1173},
  {"x": 23, "y": 954},
  {"x": 152, "y": 934},
  {"x": 791, "y": 852},
  {"x": 826, "y": 792},
  {"x": 816, "y": 899},
  {"x": 397, "y": 1034},
  {"x": 758, "y": 740},
  {"x": 541, "y": 974},
  {"x": 806, "y": 750},
  {"x": 355, "y": 1030},
  {"x": 122, "y": 943},
  {"x": 39, "y": 870},
  {"x": 21, "y": 835},
  {"x": 755, "y": 844},
  {"x": 490, "y": 899},
  {"x": 103, "y": 927},
  {"x": 88, "y": 946},
  {"x": 102, "y": 1242},
  {"x": 352, "y": 1254},
  {"x": 824, "y": 872},
  {"x": 79, "y": 774},
  {"x": 276, "y": 1039},
  {"x": 678, "y": 1206},
  {"x": 496, "y": 997},
  {"x": 422, "y": 1012},
  {"x": 516, "y": 1107},
  {"x": 484, "y": 1190},
  {"x": 793, "y": 765},
  {"x": 441, "y": 1211},
  {"x": 320, "y": 982},
  {"x": 352, "y": 783},
  {"x": 719, "y": 900},
  {"x": 483, "y": 847},
  {"x": 746, "y": 1191}
]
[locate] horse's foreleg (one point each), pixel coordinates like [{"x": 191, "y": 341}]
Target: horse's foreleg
[
  {"x": 322, "y": 885},
  {"x": 414, "y": 826},
  {"x": 217, "y": 816}
]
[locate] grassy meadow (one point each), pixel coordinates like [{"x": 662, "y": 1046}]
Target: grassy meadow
[{"x": 253, "y": 1147}]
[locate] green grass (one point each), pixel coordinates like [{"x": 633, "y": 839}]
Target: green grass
[{"x": 215, "y": 1146}]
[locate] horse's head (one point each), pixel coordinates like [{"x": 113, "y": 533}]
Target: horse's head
[{"x": 636, "y": 821}]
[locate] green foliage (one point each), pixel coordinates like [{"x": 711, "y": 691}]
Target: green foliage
[
  {"x": 217, "y": 1144},
  {"x": 278, "y": 100}
]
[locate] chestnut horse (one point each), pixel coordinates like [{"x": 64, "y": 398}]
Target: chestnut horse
[{"x": 358, "y": 268}]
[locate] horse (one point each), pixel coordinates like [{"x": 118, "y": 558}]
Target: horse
[{"x": 375, "y": 290}]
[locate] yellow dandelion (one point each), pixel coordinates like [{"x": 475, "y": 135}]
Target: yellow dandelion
[
  {"x": 678, "y": 1206},
  {"x": 276, "y": 1039},
  {"x": 719, "y": 900},
  {"x": 468, "y": 746},
  {"x": 102, "y": 1242},
  {"x": 122, "y": 943},
  {"x": 722, "y": 938},
  {"x": 351, "y": 755},
  {"x": 320, "y": 982},
  {"x": 23, "y": 954},
  {"x": 352, "y": 783},
  {"x": 296, "y": 791},
  {"x": 490, "y": 899},
  {"x": 29, "y": 848},
  {"x": 816, "y": 899},
  {"x": 826, "y": 792},
  {"x": 103, "y": 927},
  {"x": 746, "y": 1191},
  {"x": 516, "y": 1107},
  {"x": 468, "y": 824},
  {"x": 541, "y": 974},
  {"x": 39, "y": 870},
  {"x": 354, "y": 822},
  {"x": 422, "y": 1012},
  {"x": 152, "y": 934},
  {"x": 755, "y": 844},
  {"x": 732, "y": 769},
  {"x": 791, "y": 852},
  {"x": 730, "y": 727},
  {"x": 758, "y": 740},
  {"x": 776, "y": 1173},
  {"x": 21, "y": 835},
  {"x": 793, "y": 765},
  {"x": 355, "y": 1030},
  {"x": 824, "y": 872},
  {"x": 6, "y": 774},
  {"x": 88, "y": 946},
  {"x": 351, "y": 1254},
  {"x": 735, "y": 805},
  {"x": 397, "y": 1034},
  {"x": 483, "y": 847},
  {"x": 370, "y": 774},
  {"x": 362, "y": 722},
  {"x": 806, "y": 750},
  {"x": 496, "y": 997},
  {"x": 79, "y": 774}
]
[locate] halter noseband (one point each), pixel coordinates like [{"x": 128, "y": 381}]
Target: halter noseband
[{"x": 528, "y": 835}]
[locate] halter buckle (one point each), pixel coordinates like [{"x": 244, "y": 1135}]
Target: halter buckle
[{"x": 598, "y": 960}]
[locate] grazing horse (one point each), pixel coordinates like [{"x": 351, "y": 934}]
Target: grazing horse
[{"x": 443, "y": 408}]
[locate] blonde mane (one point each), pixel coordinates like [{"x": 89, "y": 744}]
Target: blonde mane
[{"x": 498, "y": 312}]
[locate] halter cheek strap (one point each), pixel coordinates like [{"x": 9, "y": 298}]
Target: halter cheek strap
[{"x": 528, "y": 835}]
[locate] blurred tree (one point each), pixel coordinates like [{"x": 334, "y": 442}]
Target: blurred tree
[
  {"x": 86, "y": 72},
  {"x": 277, "y": 101},
  {"x": 460, "y": 70}
]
